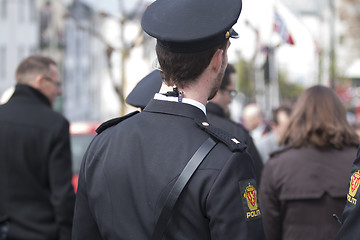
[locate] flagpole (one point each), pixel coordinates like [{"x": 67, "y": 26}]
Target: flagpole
[
  {"x": 332, "y": 44},
  {"x": 271, "y": 78}
]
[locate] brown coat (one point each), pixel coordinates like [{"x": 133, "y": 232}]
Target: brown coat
[{"x": 301, "y": 189}]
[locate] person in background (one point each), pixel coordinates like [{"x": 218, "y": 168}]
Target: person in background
[
  {"x": 253, "y": 120},
  {"x": 36, "y": 195},
  {"x": 218, "y": 113},
  {"x": 135, "y": 163},
  {"x": 304, "y": 184},
  {"x": 145, "y": 90},
  {"x": 270, "y": 142}
]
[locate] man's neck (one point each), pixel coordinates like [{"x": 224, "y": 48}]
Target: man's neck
[{"x": 199, "y": 90}]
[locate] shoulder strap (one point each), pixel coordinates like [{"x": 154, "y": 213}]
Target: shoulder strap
[
  {"x": 113, "y": 122},
  {"x": 179, "y": 185}
]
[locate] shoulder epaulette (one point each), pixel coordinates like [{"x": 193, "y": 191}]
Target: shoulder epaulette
[
  {"x": 231, "y": 142},
  {"x": 279, "y": 150},
  {"x": 113, "y": 122}
]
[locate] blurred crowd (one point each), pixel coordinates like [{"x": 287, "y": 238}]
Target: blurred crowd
[{"x": 302, "y": 156}]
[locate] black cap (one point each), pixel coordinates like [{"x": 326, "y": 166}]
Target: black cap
[
  {"x": 187, "y": 26},
  {"x": 144, "y": 91}
]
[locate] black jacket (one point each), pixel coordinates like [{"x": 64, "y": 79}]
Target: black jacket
[
  {"x": 216, "y": 116},
  {"x": 36, "y": 195},
  {"x": 350, "y": 228},
  {"x": 130, "y": 168}
]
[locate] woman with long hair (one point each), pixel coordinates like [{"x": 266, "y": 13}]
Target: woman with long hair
[{"x": 306, "y": 182}]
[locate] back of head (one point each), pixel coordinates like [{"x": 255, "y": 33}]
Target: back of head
[
  {"x": 188, "y": 34},
  {"x": 32, "y": 66},
  {"x": 181, "y": 69},
  {"x": 319, "y": 119}
]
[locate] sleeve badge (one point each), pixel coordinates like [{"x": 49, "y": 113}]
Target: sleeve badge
[
  {"x": 249, "y": 199},
  {"x": 354, "y": 185}
]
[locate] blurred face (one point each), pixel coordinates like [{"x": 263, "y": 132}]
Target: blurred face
[
  {"x": 251, "y": 117},
  {"x": 283, "y": 120},
  {"x": 50, "y": 85},
  {"x": 225, "y": 96},
  {"x": 229, "y": 92}
]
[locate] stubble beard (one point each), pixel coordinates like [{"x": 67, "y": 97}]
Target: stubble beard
[{"x": 217, "y": 84}]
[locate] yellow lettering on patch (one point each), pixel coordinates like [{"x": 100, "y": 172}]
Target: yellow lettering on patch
[
  {"x": 253, "y": 214},
  {"x": 351, "y": 199}
]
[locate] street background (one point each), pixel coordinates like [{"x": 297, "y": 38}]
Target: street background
[{"x": 284, "y": 47}]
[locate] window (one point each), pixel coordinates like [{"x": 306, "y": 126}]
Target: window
[
  {"x": 3, "y": 9},
  {"x": 32, "y": 11},
  {"x": 21, "y": 53},
  {"x": 32, "y": 50},
  {"x": 21, "y": 11}
]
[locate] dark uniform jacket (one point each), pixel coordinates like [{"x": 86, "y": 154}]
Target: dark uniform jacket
[
  {"x": 36, "y": 195},
  {"x": 350, "y": 228},
  {"x": 300, "y": 191},
  {"x": 130, "y": 168},
  {"x": 217, "y": 116}
]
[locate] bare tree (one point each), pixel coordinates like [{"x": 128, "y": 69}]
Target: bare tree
[{"x": 124, "y": 17}]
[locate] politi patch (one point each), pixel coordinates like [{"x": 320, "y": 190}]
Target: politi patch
[
  {"x": 353, "y": 189},
  {"x": 249, "y": 198}
]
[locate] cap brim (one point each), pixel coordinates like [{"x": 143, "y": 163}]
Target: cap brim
[{"x": 234, "y": 34}]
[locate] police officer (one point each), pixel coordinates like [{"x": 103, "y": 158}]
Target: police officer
[
  {"x": 138, "y": 178},
  {"x": 350, "y": 228},
  {"x": 215, "y": 109},
  {"x": 217, "y": 114}
]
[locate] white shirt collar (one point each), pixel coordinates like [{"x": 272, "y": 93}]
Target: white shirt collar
[{"x": 159, "y": 96}]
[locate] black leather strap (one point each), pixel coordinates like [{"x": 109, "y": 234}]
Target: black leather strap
[{"x": 179, "y": 185}]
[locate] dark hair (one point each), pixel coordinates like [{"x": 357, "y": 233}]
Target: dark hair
[
  {"x": 277, "y": 110},
  {"x": 31, "y": 66},
  {"x": 226, "y": 79},
  {"x": 180, "y": 69},
  {"x": 319, "y": 119}
]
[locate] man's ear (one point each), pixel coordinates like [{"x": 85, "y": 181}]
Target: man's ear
[
  {"x": 36, "y": 83},
  {"x": 216, "y": 60}
]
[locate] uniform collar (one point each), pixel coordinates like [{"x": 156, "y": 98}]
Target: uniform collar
[
  {"x": 190, "y": 101},
  {"x": 175, "y": 108}
]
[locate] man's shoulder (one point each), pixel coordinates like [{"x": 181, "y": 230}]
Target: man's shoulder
[
  {"x": 113, "y": 122},
  {"x": 222, "y": 136},
  {"x": 41, "y": 114}
]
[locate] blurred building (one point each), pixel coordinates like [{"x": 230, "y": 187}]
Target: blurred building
[
  {"x": 19, "y": 24},
  {"x": 105, "y": 56},
  {"x": 83, "y": 63}
]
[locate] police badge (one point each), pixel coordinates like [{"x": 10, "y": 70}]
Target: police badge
[{"x": 249, "y": 199}]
